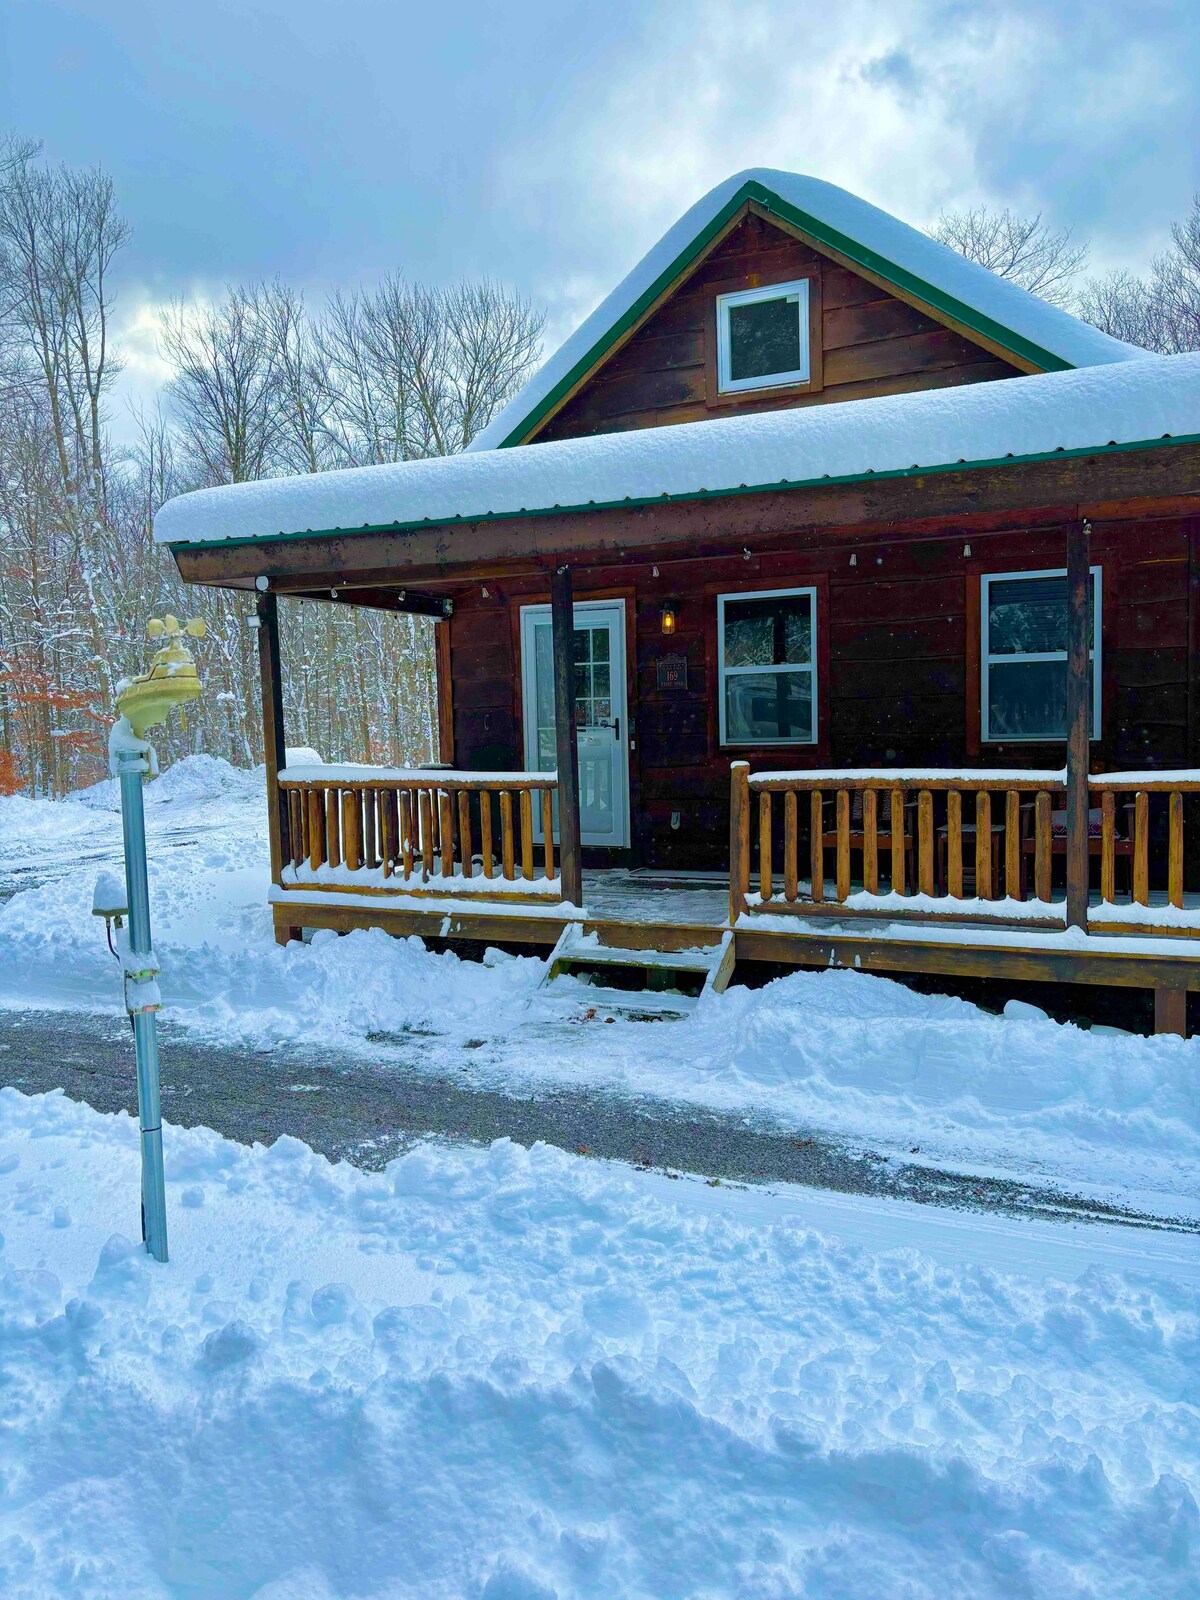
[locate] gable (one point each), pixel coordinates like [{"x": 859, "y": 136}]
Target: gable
[
  {"x": 864, "y": 341},
  {"x": 1018, "y": 328}
]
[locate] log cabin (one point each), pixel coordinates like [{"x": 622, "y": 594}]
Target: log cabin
[{"x": 824, "y": 599}]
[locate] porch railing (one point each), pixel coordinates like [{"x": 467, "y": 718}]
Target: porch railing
[
  {"x": 1139, "y": 820},
  {"x": 966, "y": 845},
  {"x": 430, "y": 833}
]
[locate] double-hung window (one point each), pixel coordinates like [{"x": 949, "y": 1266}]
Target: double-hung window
[
  {"x": 762, "y": 337},
  {"x": 1023, "y": 646},
  {"x": 766, "y": 646}
]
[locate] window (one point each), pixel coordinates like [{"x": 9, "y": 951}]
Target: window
[
  {"x": 766, "y": 644},
  {"x": 762, "y": 337},
  {"x": 1023, "y": 627}
]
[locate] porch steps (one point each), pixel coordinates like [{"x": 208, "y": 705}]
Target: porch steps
[{"x": 630, "y": 974}]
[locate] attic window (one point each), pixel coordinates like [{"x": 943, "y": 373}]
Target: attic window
[{"x": 762, "y": 337}]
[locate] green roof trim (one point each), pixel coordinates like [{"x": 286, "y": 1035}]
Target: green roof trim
[
  {"x": 870, "y": 475},
  {"x": 936, "y": 299}
]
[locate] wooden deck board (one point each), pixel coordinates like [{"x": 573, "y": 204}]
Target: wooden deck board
[{"x": 813, "y": 943}]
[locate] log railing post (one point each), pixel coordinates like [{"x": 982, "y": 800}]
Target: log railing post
[
  {"x": 739, "y": 838},
  {"x": 270, "y": 673},
  {"x": 1078, "y": 720},
  {"x": 562, "y": 623}
]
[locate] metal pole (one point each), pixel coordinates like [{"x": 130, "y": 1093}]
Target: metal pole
[{"x": 141, "y": 993}]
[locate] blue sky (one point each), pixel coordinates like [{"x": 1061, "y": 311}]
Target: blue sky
[{"x": 547, "y": 143}]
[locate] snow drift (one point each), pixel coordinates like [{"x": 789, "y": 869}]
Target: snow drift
[{"x": 517, "y": 1375}]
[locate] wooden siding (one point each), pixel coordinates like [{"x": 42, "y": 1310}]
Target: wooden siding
[
  {"x": 870, "y": 344},
  {"x": 898, "y": 663}
]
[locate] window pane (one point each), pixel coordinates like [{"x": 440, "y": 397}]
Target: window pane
[
  {"x": 768, "y": 705},
  {"x": 1029, "y": 615},
  {"x": 764, "y": 338},
  {"x": 772, "y": 632},
  {"x": 1028, "y": 700}
]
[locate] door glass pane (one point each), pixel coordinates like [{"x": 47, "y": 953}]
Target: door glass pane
[
  {"x": 601, "y": 808},
  {"x": 1028, "y": 616},
  {"x": 768, "y": 705},
  {"x": 772, "y": 631},
  {"x": 1028, "y": 699},
  {"x": 597, "y": 809},
  {"x": 543, "y": 674},
  {"x": 764, "y": 338}
]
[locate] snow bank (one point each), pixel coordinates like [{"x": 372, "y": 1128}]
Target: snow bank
[
  {"x": 196, "y": 779},
  {"x": 1131, "y": 402},
  {"x": 517, "y": 1375},
  {"x": 845, "y": 221}
]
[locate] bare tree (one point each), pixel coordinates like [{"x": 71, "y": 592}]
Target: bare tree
[
  {"x": 418, "y": 371},
  {"x": 59, "y": 233},
  {"x": 308, "y": 439},
  {"x": 1161, "y": 311},
  {"x": 261, "y": 386},
  {"x": 225, "y": 391},
  {"x": 1026, "y": 250}
]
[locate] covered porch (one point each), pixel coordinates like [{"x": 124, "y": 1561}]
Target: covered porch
[{"x": 866, "y": 814}]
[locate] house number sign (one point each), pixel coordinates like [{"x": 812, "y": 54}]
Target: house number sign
[{"x": 672, "y": 672}]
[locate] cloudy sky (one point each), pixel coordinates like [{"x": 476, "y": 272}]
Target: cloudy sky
[{"x": 547, "y": 143}]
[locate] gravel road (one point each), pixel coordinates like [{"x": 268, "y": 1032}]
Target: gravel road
[{"x": 350, "y": 1108}]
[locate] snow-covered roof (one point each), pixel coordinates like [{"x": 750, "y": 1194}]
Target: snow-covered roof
[
  {"x": 943, "y": 280},
  {"x": 1123, "y": 405}
]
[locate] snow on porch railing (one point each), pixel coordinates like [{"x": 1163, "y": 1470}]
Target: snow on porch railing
[
  {"x": 966, "y": 844},
  {"x": 917, "y": 837},
  {"x": 399, "y": 830},
  {"x": 1137, "y": 822}
]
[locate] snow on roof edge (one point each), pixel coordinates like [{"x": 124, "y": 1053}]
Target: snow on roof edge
[
  {"x": 942, "y": 269},
  {"x": 938, "y": 429}
]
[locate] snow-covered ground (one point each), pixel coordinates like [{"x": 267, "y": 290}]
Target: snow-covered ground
[
  {"x": 501, "y": 1374},
  {"x": 860, "y": 1057}
]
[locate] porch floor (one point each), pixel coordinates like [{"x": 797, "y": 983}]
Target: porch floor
[{"x": 669, "y": 899}]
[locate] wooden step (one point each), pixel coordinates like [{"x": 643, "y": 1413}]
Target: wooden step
[{"x": 665, "y": 975}]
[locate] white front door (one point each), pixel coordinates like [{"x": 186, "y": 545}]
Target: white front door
[{"x": 601, "y": 716}]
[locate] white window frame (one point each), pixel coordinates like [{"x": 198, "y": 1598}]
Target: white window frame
[
  {"x": 986, "y": 658},
  {"x": 797, "y": 290},
  {"x": 724, "y": 672}
]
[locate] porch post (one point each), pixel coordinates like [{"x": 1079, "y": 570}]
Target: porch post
[
  {"x": 562, "y": 620},
  {"x": 271, "y": 680},
  {"x": 1078, "y": 720}
]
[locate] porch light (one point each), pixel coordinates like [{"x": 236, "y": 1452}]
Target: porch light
[{"x": 667, "y": 617}]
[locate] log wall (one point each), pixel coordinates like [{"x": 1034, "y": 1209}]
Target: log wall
[
  {"x": 865, "y": 342},
  {"x": 897, "y": 670}
]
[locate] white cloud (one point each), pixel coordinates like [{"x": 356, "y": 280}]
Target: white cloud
[
  {"x": 917, "y": 105},
  {"x": 144, "y": 369}
]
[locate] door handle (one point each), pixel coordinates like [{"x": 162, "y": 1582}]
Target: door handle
[{"x": 615, "y": 724}]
